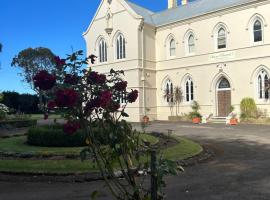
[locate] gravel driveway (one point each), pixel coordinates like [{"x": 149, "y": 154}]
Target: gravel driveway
[{"x": 239, "y": 171}]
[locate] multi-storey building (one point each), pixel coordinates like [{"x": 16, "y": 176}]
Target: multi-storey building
[{"x": 217, "y": 51}]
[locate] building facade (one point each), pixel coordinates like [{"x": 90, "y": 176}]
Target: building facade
[{"x": 217, "y": 52}]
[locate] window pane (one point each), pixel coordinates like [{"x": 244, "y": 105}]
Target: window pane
[
  {"x": 257, "y": 29},
  {"x": 191, "y": 89},
  {"x": 191, "y": 44},
  {"x": 187, "y": 91},
  {"x": 224, "y": 83},
  {"x": 221, "y": 39},
  {"x": 172, "y": 47},
  {"x": 118, "y": 49},
  {"x": 171, "y": 92},
  {"x": 260, "y": 86},
  {"x": 121, "y": 47},
  {"x": 124, "y": 48}
]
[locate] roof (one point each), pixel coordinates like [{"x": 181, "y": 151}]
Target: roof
[{"x": 192, "y": 9}]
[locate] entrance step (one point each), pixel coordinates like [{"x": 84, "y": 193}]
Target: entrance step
[{"x": 217, "y": 120}]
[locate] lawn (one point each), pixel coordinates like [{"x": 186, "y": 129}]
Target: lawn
[
  {"x": 18, "y": 145},
  {"x": 41, "y": 116},
  {"x": 184, "y": 149}
]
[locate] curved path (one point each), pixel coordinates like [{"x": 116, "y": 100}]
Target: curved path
[{"x": 239, "y": 171}]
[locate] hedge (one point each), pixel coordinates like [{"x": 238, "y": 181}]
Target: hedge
[
  {"x": 54, "y": 136},
  {"x": 18, "y": 123}
]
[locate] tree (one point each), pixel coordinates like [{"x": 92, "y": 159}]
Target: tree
[
  {"x": 30, "y": 61},
  {"x": 90, "y": 101}
]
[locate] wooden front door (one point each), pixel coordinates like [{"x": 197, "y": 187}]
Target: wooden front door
[{"x": 224, "y": 103}]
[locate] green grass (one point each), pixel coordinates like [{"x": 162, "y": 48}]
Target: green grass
[
  {"x": 46, "y": 166},
  {"x": 184, "y": 149},
  {"x": 18, "y": 145},
  {"x": 41, "y": 116}
]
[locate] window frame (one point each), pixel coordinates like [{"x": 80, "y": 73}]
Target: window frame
[
  {"x": 120, "y": 49},
  {"x": 103, "y": 51}
]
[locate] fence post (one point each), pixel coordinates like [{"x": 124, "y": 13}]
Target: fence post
[{"x": 154, "y": 184}]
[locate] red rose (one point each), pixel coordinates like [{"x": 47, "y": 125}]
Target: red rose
[
  {"x": 43, "y": 80},
  {"x": 51, "y": 105},
  {"x": 95, "y": 78},
  {"x": 105, "y": 99},
  {"x": 71, "y": 79},
  {"x": 121, "y": 86},
  {"x": 132, "y": 96},
  {"x": 59, "y": 62},
  {"x": 71, "y": 127},
  {"x": 91, "y": 105},
  {"x": 66, "y": 98}
]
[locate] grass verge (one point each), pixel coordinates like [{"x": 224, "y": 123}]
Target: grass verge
[{"x": 184, "y": 149}]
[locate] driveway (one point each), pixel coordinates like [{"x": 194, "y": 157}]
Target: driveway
[{"x": 239, "y": 171}]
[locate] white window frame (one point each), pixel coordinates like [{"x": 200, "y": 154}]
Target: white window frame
[
  {"x": 167, "y": 45},
  {"x": 220, "y": 38},
  {"x": 250, "y": 28},
  {"x": 188, "y": 94},
  {"x": 261, "y": 88},
  {"x": 215, "y": 35},
  {"x": 120, "y": 44},
  {"x": 172, "y": 48},
  {"x": 168, "y": 85},
  {"x": 102, "y": 51}
]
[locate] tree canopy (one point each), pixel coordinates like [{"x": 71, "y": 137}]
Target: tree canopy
[{"x": 30, "y": 61}]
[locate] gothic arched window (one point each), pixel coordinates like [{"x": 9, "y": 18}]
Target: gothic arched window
[
  {"x": 102, "y": 51},
  {"x": 189, "y": 90},
  {"x": 120, "y": 47}
]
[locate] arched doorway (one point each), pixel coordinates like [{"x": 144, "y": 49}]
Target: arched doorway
[{"x": 223, "y": 97}]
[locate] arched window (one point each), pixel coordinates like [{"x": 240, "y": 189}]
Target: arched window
[
  {"x": 221, "y": 39},
  {"x": 191, "y": 44},
  {"x": 257, "y": 31},
  {"x": 169, "y": 91},
  {"x": 102, "y": 51},
  {"x": 262, "y": 85},
  {"x": 172, "y": 47},
  {"x": 224, "y": 84},
  {"x": 120, "y": 47},
  {"x": 189, "y": 90}
]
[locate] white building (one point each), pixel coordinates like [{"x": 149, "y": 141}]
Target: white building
[{"x": 217, "y": 51}]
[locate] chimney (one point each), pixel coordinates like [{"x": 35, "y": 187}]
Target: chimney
[
  {"x": 184, "y": 2},
  {"x": 172, "y": 4}
]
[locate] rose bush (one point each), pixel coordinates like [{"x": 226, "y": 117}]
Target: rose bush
[{"x": 91, "y": 101}]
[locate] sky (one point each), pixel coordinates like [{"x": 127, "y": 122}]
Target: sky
[{"x": 55, "y": 24}]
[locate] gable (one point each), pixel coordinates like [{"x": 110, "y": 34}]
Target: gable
[{"x": 112, "y": 6}]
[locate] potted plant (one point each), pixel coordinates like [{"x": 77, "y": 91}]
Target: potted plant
[
  {"x": 233, "y": 119},
  {"x": 195, "y": 115},
  {"x": 146, "y": 119}
]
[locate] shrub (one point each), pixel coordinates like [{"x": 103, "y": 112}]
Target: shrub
[
  {"x": 248, "y": 108},
  {"x": 18, "y": 123},
  {"x": 195, "y": 110},
  {"x": 54, "y": 136}
]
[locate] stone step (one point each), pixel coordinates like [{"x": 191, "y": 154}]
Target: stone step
[{"x": 217, "y": 120}]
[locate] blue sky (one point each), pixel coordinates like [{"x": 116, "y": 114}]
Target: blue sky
[{"x": 55, "y": 24}]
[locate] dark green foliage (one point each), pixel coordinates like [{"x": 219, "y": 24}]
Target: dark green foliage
[
  {"x": 18, "y": 123},
  {"x": 248, "y": 108},
  {"x": 195, "y": 110},
  {"x": 26, "y": 103},
  {"x": 54, "y": 136}
]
